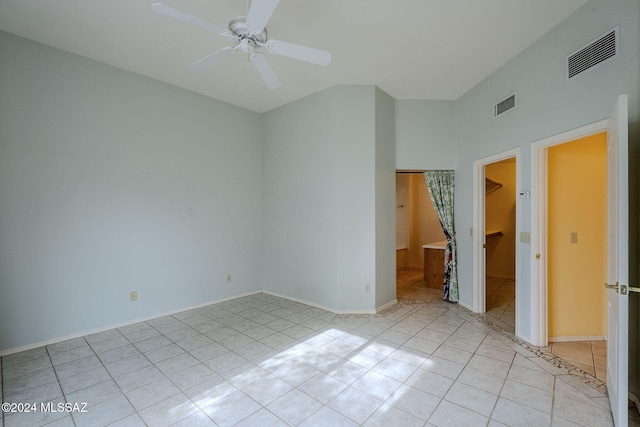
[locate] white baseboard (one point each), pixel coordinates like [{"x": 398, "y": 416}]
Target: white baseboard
[
  {"x": 312, "y": 304},
  {"x": 387, "y": 305},
  {"x": 571, "y": 339},
  {"x": 333, "y": 310},
  {"x": 117, "y": 325}
]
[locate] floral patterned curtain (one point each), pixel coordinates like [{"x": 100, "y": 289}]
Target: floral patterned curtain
[{"x": 441, "y": 188}]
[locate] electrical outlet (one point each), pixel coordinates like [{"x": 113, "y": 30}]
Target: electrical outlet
[
  {"x": 134, "y": 296},
  {"x": 367, "y": 288},
  {"x": 574, "y": 237},
  {"x": 228, "y": 277}
]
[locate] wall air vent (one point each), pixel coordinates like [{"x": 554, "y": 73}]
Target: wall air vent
[
  {"x": 603, "y": 49},
  {"x": 504, "y": 105}
]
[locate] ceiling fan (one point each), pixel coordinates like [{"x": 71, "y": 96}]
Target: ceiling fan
[{"x": 249, "y": 35}]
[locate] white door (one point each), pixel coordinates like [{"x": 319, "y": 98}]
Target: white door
[{"x": 618, "y": 258}]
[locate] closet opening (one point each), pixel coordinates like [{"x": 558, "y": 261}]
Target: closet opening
[
  {"x": 420, "y": 241},
  {"x": 500, "y": 240}
]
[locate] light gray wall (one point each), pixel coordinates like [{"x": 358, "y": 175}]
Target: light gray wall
[
  {"x": 321, "y": 157},
  {"x": 354, "y": 112},
  {"x": 299, "y": 200},
  {"x": 111, "y": 182},
  {"x": 425, "y": 135},
  {"x": 548, "y": 104},
  {"x": 385, "y": 182}
]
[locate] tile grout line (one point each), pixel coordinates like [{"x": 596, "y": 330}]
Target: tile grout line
[
  {"x": 593, "y": 359},
  {"x": 116, "y": 382},
  {"x": 106, "y": 370},
  {"x": 55, "y": 372},
  {"x": 165, "y": 375},
  {"x": 503, "y": 384},
  {"x": 553, "y": 398}
]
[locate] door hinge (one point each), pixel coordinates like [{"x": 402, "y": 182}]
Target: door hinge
[{"x": 537, "y": 256}]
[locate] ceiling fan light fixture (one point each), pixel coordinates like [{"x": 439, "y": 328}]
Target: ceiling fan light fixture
[{"x": 247, "y": 45}]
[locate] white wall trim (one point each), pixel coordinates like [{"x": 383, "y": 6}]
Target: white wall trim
[
  {"x": 333, "y": 310},
  {"x": 573, "y": 339},
  {"x": 354, "y": 311},
  {"x": 312, "y": 304},
  {"x": 539, "y": 291},
  {"x": 479, "y": 263},
  {"x": 387, "y": 305},
  {"x": 117, "y": 325}
]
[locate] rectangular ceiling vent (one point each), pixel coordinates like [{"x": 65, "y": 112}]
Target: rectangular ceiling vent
[
  {"x": 605, "y": 48},
  {"x": 504, "y": 105}
]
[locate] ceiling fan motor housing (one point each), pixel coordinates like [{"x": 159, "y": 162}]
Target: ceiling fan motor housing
[{"x": 238, "y": 26}]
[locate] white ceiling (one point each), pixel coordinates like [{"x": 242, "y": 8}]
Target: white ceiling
[{"x": 411, "y": 49}]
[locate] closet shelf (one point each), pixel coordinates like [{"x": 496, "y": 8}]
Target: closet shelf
[
  {"x": 491, "y": 184},
  {"x": 493, "y": 233}
]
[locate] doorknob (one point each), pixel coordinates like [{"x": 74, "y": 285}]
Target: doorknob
[{"x": 623, "y": 289}]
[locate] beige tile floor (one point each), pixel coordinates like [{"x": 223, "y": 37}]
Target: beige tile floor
[
  {"x": 410, "y": 286},
  {"x": 590, "y": 356},
  {"x": 262, "y": 360},
  {"x": 501, "y": 300}
]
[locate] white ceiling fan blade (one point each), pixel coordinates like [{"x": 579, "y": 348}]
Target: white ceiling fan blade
[
  {"x": 189, "y": 19},
  {"x": 209, "y": 60},
  {"x": 296, "y": 51},
  {"x": 259, "y": 14},
  {"x": 266, "y": 71}
]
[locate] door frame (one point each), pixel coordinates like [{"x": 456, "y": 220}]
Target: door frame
[
  {"x": 479, "y": 230},
  {"x": 539, "y": 225}
]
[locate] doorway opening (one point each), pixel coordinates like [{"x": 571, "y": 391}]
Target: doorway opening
[
  {"x": 575, "y": 228},
  {"x": 500, "y": 240},
  {"x": 495, "y": 230},
  {"x": 417, "y": 225},
  {"x": 617, "y": 235}
]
